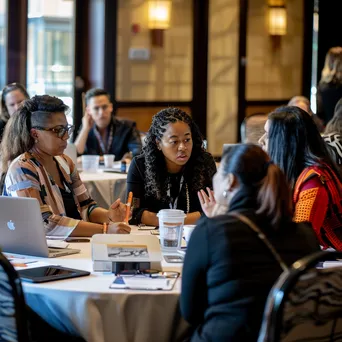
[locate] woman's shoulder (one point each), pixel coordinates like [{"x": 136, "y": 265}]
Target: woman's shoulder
[
  {"x": 139, "y": 161},
  {"x": 221, "y": 222},
  {"x": 23, "y": 161},
  {"x": 206, "y": 157}
]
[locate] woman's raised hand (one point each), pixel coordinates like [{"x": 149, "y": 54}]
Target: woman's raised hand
[{"x": 207, "y": 201}]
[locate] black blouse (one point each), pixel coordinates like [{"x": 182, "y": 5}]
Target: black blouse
[
  {"x": 185, "y": 196},
  {"x": 70, "y": 205}
]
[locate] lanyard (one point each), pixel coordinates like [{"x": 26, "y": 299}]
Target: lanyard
[
  {"x": 104, "y": 149},
  {"x": 176, "y": 199}
]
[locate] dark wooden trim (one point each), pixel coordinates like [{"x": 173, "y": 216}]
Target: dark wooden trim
[
  {"x": 200, "y": 63},
  {"x": 111, "y": 19},
  {"x": 308, "y": 11},
  {"x": 241, "y": 110},
  {"x": 267, "y": 102},
  {"x": 144, "y": 104},
  {"x": 16, "y": 41},
  {"x": 81, "y": 58}
]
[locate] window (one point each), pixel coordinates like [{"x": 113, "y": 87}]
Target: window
[
  {"x": 3, "y": 42},
  {"x": 50, "y": 49}
]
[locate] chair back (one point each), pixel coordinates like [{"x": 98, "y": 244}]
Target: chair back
[
  {"x": 13, "y": 317},
  {"x": 305, "y": 304}
]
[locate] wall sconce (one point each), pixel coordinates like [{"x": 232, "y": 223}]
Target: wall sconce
[
  {"x": 159, "y": 14},
  {"x": 277, "y": 20}
]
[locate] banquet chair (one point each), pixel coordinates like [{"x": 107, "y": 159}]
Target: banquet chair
[
  {"x": 13, "y": 317},
  {"x": 305, "y": 304}
]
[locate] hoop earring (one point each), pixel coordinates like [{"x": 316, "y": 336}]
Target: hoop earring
[{"x": 225, "y": 194}]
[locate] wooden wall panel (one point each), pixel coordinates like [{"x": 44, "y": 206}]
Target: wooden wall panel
[{"x": 142, "y": 115}]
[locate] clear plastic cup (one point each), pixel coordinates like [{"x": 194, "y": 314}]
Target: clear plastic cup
[
  {"x": 171, "y": 223},
  {"x": 108, "y": 160},
  {"x": 187, "y": 231},
  {"x": 90, "y": 163}
]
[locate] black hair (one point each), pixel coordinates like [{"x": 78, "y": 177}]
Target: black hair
[
  {"x": 295, "y": 143},
  {"x": 95, "y": 92}
]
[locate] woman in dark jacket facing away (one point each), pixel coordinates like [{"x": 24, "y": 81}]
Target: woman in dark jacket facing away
[{"x": 228, "y": 270}]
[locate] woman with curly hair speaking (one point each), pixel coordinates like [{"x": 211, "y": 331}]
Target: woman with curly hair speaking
[{"x": 172, "y": 168}]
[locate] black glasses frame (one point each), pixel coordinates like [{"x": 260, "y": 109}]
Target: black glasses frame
[{"x": 60, "y": 132}]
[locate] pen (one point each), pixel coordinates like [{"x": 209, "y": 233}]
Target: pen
[
  {"x": 128, "y": 206},
  {"x": 105, "y": 227}
]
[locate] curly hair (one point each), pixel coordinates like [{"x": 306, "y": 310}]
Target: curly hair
[{"x": 156, "y": 171}]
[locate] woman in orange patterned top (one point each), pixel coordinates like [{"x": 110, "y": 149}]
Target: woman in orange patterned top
[
  {"x": 33, "y": 165},
  {"x": 293, "y": 142}
]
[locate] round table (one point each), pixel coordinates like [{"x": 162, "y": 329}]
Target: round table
[
  {"x": 105, "y": 187},
  {"x": 87, "y": 307}
]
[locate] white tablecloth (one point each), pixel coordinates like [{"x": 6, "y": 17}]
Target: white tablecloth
[
  {"x": 105, "y": 187},
  {"x": 87, "y": 307}
]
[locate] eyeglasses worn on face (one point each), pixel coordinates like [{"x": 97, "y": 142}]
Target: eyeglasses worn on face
[{"x": 58, "y": 130}]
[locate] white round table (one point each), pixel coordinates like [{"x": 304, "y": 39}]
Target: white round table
[
  {"x": 105, "y": 187},
  {"x": 87, "y": 307}
]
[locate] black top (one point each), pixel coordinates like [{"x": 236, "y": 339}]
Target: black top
[
  {"x": 327, "y": 98},
  {"x": 2, "y": 127},
  {"x": 126, "y": 138},
  {"x": 70, "y": 205},
  {"x": 228, "y": 271},
  {"x": 136, "y": 181}
]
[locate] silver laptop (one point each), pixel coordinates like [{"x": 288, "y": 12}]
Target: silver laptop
[{"x": 22, "y": 230}]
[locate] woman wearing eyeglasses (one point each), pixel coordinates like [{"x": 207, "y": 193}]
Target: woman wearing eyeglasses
[
  {"x": 11, "y": 97},
  {"x": 34, "y": 165}
]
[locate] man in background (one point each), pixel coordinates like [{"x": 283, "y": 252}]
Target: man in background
[{"x": 101, "y": 133}]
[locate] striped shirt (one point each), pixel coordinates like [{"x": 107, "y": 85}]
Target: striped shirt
[{"x": 26, "y": 177}]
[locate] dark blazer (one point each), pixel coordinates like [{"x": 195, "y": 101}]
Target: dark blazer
[
  {"x": 126, "y": 138},
  {"x": 327, "y": 98},
  {"x": 136, "y": 181},
  {"x": 228, "y": 272}
]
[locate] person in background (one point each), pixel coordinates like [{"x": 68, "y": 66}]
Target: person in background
[
  {"x": 329, "y": 89},
  {"x": 101, "y": 133},
  {"x": 252, "y": 127},
  {"x": 304, "y": 103},
  {"x": 12, "y": 96},
  {"x": 228, "y": 270},
  {"x": 293, "y": 142},
  {"x": 34, "y": 165},
  {"x": 333, "y": 133},
  {"x": 171, "y": 169}
]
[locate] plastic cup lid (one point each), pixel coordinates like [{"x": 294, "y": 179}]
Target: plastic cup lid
[{"x": 171, "y": 213}]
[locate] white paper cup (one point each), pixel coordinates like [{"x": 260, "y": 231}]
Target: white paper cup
[
  {"x": 187, "y": 231},
  {"x": 171, "y": 223},
  {"x": 108, "y": 160},
  {"x": 90, "y": 163}
]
